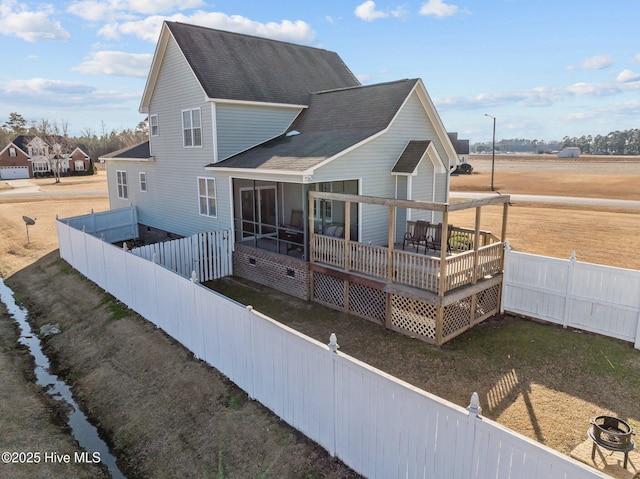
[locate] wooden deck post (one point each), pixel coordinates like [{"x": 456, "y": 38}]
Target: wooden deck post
[
  {"x": 442, "y": 286},
  {"x": 347, "y": 254},
  {"x": 444, "y": 241},
  {"x": 312, "y": 241},
  {"x": 503, "y": 234},
  {"x": 476, "y": 245},
  {"x": 347, "y": 235},
  {"x": 392, "y": 229}
]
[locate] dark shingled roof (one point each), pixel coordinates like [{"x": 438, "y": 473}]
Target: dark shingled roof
[
  {"x": 140, "y": 151},
  {"x": 461, "y": 146},
  {"x": 411, "y": 156},
  {"x": 242, "y": 67},
  {"x": 334, "y": 121},
  {"x": 22, "y": 141}
]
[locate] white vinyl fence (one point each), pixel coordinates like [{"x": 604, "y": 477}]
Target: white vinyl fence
[
  {"x": 208, "y": 254},
  {"x": 378, "y": 425},
  {"x": 600, "y": 299},
  {"x": 114, "y": 225}
]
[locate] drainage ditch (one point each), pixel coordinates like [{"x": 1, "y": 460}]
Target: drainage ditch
[{"x": 96, "y": 450}]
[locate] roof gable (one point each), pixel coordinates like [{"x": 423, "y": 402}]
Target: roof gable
[
  {"x": 233, "y": 66},
  {"x": 410, "y": 157},
  {"x": 334, "y": 122},
  {"x": 23, "y": 142}
]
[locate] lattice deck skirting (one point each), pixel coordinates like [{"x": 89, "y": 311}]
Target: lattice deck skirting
[
  {"x": 367, "y": 302},
  {"x": 410, "y": 316},
  {"x": 414, "y": 317},
  {"x": 328, "y": 290}
]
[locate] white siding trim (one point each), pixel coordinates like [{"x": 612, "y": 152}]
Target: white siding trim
[
  {"x": 214, "y": 130},
  {"x": 438, "y": 126}
]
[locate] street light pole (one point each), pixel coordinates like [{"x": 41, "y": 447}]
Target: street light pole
[{"x": 493, "y": 153}]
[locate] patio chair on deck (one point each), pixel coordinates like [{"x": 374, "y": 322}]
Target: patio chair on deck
[
  {"x": 435, "y": 241},
  {"x": 293, "y": 233},
  {"x": 417, "y": 236}
]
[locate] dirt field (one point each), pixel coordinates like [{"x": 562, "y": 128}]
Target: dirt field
[
  {"x": 597, "y": 235},
  {"x": 171, "y": 416}
]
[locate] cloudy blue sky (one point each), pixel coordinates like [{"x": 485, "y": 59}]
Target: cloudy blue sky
[{"x": 543, "y": 68}]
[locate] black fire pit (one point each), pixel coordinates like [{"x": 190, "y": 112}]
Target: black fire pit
[{"x": 613, "y": 434}]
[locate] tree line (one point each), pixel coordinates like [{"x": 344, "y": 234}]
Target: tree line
[
  {"x": 625, "y": 142},
  {"x": 93, "y": 143}
]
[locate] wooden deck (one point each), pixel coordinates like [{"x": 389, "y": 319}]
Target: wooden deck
[{"x": 422, "y": 271}]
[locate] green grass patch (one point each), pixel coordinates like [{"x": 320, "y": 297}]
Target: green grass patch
[{"x": 117, "y": 310}]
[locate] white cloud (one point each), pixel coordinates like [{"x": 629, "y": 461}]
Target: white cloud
[
  {"x": 438, "y": 8},
  {"x": 538, "y": 96},
  {"x": 63, "y": 95},
  {"x": 626, "y": 76},
  {"x": 95, "y": 10},
  {"x": 597, "y": 62},
  {"x": 365, "y": 78},
  {"x": 149, "y": 28},
  {"x": 400, "y": 12},
  {"x": 367, "y": 11},
  {"x": 43, "y": 87},
  {"x": 117, "y": 63},
  {"x": 16, "y": 20},
  {"x": 636, "y": 58}
]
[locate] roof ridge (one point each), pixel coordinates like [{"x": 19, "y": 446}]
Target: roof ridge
[
  {"x": 370, "y": 85},
  {"x": 168, "y": 22}
]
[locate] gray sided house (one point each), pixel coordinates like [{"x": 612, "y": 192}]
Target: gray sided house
[{"x": 243, "y": 128}]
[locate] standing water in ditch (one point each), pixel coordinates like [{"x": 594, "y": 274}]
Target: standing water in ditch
[{"x": 83, "y": 431}]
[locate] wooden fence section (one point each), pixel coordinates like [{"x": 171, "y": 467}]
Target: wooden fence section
[
  {"x": 208, "y": 254},
  {"x": 600, "y": 299},
  {"x": 114, "y": 225},
  {"x": 378, "y": 425}
]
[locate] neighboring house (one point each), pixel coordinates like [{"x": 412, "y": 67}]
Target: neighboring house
[
  {"x": 462, "y": 149},
  {"x": 321, "y": 181},
  {"x": 30, "y": 155},
  {"x": 569, "y": 152}
]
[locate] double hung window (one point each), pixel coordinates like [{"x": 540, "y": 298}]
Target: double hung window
[
  {"x": 121, "y": 182},
  {"x": 153, "y": 125},
  {"x": 191, "y": 128},
  {"x": 207, "y": 196}
]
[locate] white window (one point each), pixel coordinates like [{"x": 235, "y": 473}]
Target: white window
[
  {"x": 41, "y": 167},
  {"x": 323, "y": 208},
  {"x": 121, "y": 181},
  {"x": 12, "y": 151},
  {"x": 191, "y": 128},
  {"x": 78, "y": 165},
  {"x": 143, "y": 181},
  {"x": 207, "y": 196},
  {"x": 153, "y": 125}
]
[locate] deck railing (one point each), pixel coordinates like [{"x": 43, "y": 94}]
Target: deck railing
[{"x": 410, "y": 269}]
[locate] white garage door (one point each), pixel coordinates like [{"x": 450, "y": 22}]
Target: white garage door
[{"x": 14, "y": 172}]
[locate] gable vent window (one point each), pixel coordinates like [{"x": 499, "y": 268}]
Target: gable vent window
[
  {"x": 191, "y": 128},
  {"x": 12, "y": 151}
]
